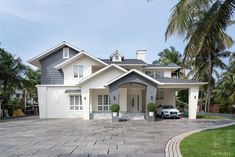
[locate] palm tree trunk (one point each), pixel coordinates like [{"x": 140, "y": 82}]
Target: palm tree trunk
[{"x": 209, "y": 82}]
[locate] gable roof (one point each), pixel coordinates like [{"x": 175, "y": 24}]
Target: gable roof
[
  {"x": 70, "y": 60},
  {"x": 116, "y": 52},
  {"x": 35, "y": 61},
  {"x": 100, "y": 71},
  {"x": 160, "y": 81},
  {"x": 126, "y": 62},
  {"x": 137, "y": 72}
]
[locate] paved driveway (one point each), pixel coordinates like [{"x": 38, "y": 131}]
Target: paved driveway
[{"x": 73, "y": 137}]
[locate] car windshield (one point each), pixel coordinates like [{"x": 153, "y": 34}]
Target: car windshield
[{"x": 167, "y": 107}]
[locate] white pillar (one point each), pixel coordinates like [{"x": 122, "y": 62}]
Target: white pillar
[
  {"x": 193, "y": 101},
  {"x": 86, "y": 103}
]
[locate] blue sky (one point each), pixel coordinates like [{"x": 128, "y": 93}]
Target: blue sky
[{"x": 28, "y": 28}]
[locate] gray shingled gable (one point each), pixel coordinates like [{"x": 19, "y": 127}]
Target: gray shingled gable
[{"x": 125, "y": 61}]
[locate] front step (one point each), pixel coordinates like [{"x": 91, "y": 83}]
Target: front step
[
  {"x": 132, "y": 116},
  {"x": 128, "y": 116}
]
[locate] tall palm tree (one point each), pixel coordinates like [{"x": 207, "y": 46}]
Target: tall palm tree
[
  {"x": 168, "y": 56},
  {"x": 203, "y": 24},
  {"x": 11, "y": 73}
]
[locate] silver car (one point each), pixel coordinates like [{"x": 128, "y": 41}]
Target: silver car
[{"x": 167, "y": 111}]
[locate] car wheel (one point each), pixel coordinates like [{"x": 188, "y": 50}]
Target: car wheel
[{"x": 163, "y": 116}]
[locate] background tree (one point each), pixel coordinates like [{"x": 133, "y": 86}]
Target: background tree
[
  {"x": 203, "y": 24},
  {"x": 168, "y": 56},
  {"x": 224, "y": 93},
  {"x": 11, "y": 73}
]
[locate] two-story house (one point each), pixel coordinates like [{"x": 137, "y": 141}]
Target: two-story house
[{"x": 76, "y": 84}]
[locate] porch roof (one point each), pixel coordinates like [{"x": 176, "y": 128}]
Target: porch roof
[{"x": 167, "y": 80}]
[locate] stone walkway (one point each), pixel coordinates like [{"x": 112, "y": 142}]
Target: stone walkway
[{"x": 32, "y": 137}]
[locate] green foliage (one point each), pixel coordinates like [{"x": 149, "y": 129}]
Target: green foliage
[
  {"x": 14, "y": 104},
  {"x": 224, "y": 93},
  {"x": 182, "y": 99},
  {"x": 115, "y": 107},
  {"x": 203, "y": 24},
  {"x": 169, "y": 56},
  {"x": 151, "y": 107}
]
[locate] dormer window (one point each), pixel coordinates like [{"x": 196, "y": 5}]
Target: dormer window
[
  {"x": 116, "y": 57},
  {"x": 65, "y": 52}
]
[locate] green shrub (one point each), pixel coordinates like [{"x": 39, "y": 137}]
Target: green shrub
[
  {"x": 151, "y": 107},
  {"x": 115, "y": 107}
]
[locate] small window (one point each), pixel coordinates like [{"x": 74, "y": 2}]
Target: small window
[
  {"x": 116, "y": 57},
  {"x": 76, "y": 102},
  {"x": 78, "y": 71},
  {"x": 160, "y": 93},
  {"x": 66, "y": 52}
]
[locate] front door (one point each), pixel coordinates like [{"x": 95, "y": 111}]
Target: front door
[{"x": 133, "y": 103}]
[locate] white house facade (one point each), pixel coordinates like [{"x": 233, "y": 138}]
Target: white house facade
[{"x": 76, "y": 84}]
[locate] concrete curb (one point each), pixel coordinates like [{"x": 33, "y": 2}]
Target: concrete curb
[{"x": 172, "y": 148}]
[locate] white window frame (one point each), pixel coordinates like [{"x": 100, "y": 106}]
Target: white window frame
[
  {"x": 65, "y": 52},
  {"x": 103, "y": 102},
  {"x": 75, "y": 103},
  {"x": 160, "y": 93},
  {"x": 79, "y": 72}
]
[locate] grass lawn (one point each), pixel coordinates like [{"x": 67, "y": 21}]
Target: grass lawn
[
  {"x": 213, "y": 117},
  {"x": 210, "y": 143}
]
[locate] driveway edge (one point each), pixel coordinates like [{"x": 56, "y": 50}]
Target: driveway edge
[{"x": 172, "y": 148}]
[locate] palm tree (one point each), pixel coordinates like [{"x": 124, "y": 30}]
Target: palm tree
[
  {"x": 32, "y": 78},
  {"x": 224, "y": 92},
  {"x": 11, "y": 73},
  {"x": 168, "y": 56},
  {"x": 203, "y": 24}
]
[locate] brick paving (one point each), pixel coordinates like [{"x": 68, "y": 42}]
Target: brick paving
[{"x": 32, "y": 137}]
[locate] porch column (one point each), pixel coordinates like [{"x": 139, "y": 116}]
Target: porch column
[
  {"x": 150, "y": 94},
  {"x": 86, "y": 103},
  {"x": 113, "y": 94},
  {"x": 193, "y": 101}
]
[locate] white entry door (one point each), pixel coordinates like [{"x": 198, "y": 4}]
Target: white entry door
[{"x": 133, "y": 103}]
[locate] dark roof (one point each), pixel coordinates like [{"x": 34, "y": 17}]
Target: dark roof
[
  {"x": 125, "y": 61},
  {"x": 157, "y": 65},
  {"x": 174, "y": 80},
  {"x": 73, "y": 91}
]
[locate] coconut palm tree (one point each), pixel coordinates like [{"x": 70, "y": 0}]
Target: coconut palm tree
[
  {"x": 203, "y": 24},
  {"x": 168, "y": 56},
  {"x": 11, "y": 73},
  {"x": 224, "y": 93}
]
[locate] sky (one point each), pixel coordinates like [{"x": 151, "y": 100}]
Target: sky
[{"x": 30, "y": 27}]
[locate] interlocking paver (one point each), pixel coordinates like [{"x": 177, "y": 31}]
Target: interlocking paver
[{"x": 33, "y": 137}]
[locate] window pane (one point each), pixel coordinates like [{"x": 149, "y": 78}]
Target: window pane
[
  {"x": 99, "y": 99},
  {"x": 75, "y": 71},
  {"x": 106, "y": 101},
  {"x": 71, "y": 108},
  {"x": 81, "y": 108},
  {"x": 76, "y": 108},
  {"x": 76, "y": 100},
  {"x": 71, "y": 100},
  {"x": 99, "y": 108},
  {"x": 80, "y": 71}
]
